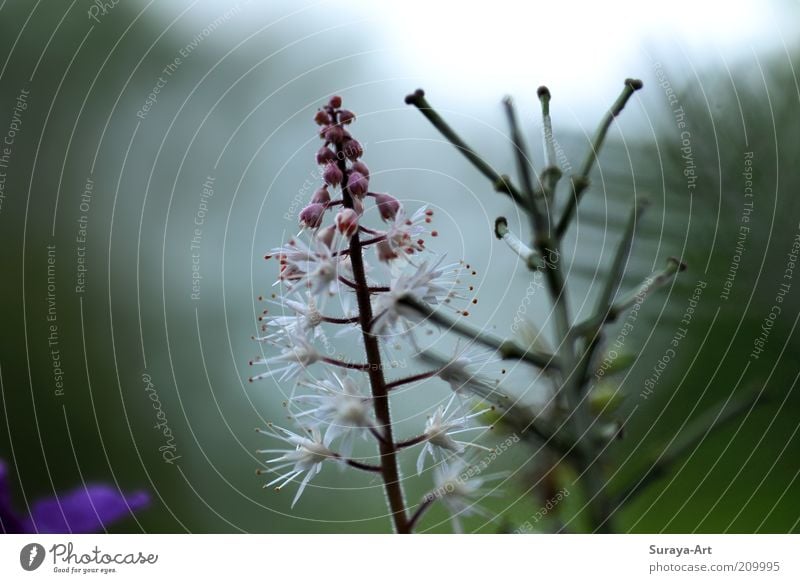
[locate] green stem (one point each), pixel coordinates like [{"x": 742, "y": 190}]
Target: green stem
[
  {"x": 518, "y": 417},
  {"x": 605, "y": 300},
  {"x": 551, "y": 173},
  {"x": 532, "y": 260},
  {"x": 591, "y": 325},
  {"x": 617, "y": 271},
  {"x": 500, "y": 183},
  {"x": 508, "y": 349},
  {"x": 581, "y": 182},
  {"x": 540, "y": 220}
]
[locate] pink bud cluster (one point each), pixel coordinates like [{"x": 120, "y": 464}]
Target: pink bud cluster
[{"x": 342, "y": 169}]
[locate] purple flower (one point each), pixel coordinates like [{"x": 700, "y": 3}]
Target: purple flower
[
  {"x": 82, "y": 510},
  {"x": 322, "y": 118},
  {"x": 312, "y": 215},
  {"x": 321, "y": 196},
  {"x": 357, "y": 184},
  {"x": 334, "y": 134},
  {"x": 352, "y": 149},
  {"x": 325, "y": 155},
  {"x": 346, "y": 116},
  {"x": 359, "y": 166},
  {"x": 332, "y": 175},
  {"x": 387, "y": 205}
]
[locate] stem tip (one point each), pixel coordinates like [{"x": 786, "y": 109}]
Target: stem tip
[
  {"x": 413, "y": 98},
  {"x": 634, "y": 84},
  {"x": 500, "y": 227}
]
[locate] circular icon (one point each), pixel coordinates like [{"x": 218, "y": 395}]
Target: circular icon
[{"x": 31, "y": 556}]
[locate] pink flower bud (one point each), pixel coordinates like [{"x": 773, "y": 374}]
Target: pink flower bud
[
  {"x": 358, "y": 205},
  {"x": 352, "y": 149},
  {"x": 357, "y": 184},
  {"x": 387, "y": 206},
  {"x": 311, "y": 216},
  {"x": 335, "y": 101},
  {"x": 359, "y": 166},
  {"x": 334, "y": 134},
  {"x": 346, "y": 116},
  {"x": 325, "y": 155},
  {"x": 321, "y": 196},
  {"x": 326, "y": 235},
  {"x": 332, "y": 175},
  {"x": 322, "y": 118},
  {"x": 347, "y": 222}
]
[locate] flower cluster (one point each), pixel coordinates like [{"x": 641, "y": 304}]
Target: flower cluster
[{"x": 373, "y": 269}]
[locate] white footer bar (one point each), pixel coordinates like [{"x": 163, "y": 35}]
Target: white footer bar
[{"x": 355, "y": 558}]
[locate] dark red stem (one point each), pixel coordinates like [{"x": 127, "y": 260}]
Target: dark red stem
[
  {"x": 380, "y": 394},
  {"x": 345, "y": 364},
  {"x": 412, "y": 379}
]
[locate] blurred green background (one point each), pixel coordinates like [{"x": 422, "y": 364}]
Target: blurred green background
[{"x": 88, "y": 159}]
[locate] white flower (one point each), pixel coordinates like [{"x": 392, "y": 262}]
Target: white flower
[
  {"x": 434, "y": 285},
  {"x": 297, "y": 354},
  {"x": 460, "y": 490},
  {"x": 463, "y": 373},
  {"x": 440, "y": 428},
  {"x": 306, "y": 456},
  {"x": 458, "y": 371},
  {"x": 315, "y": 267},
  {"x": 404, "y": 234},
  {"x": 340, "y": 407},
  {"x": 298, "y": 317},
  {"x": 302, "y": 317}
]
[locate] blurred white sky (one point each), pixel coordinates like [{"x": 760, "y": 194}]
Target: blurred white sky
[
  {"x": 581, "y": 50},
  {"x": 575, "y": 45},
  {"x": 469, "y": 50}
]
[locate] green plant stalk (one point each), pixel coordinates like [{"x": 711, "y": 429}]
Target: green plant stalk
[
  {"x": 601, "y": 512},
  {"x": 580, "y": 183},
  {"x": 573, "y": 364},
  {"x": 551, "y": 173},
  {"x": 582, "y": 452},
  {"x": 508, "y": 349},
  {"x": 516, "y": 415},
  {"x": 540, "y": 219},
  {"x": 605, "y": 300},
  {"x": 499, "y": 183},
  {"x": 533, "y": 261},
  {"x": 591, "y": 326}
]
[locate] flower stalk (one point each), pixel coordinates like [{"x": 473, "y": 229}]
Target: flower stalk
[
  {"x": 334, "y": 263},
  {"x": 580, "y": 183},
  {"x": 506, "y": 348},
  {"x": 579, "y": 437},
  {"x": 500, "y": 183},
  {"x": 380, "y": 393}
]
